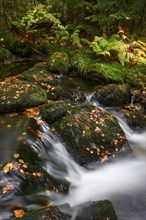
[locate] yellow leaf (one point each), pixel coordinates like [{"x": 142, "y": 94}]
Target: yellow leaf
[
  {"x": 48, "y": 192},
  {"x": 25, "y": 166},
  {"x": 16, "y": 156},
  {"x": 21, "y": 171},
  {"x": 9, "y": 126},
  {"x": 7, "y": 167},
  {"x": 38, "y": 174}
]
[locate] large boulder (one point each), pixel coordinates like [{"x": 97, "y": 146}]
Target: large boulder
[
  {"x": 58, "y": 62},
  {"x": 90, "y": 133},
  {"x": 39, "y": 75},
  {"x": 99, "y": 210},
  {"x": 113, "y": 95},
  {"x": 20, "y": 95}
]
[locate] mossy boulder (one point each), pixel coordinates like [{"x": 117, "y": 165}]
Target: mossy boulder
[
  {"x": 54, "y": 111},
  {"x": 89, "y": 133},
  {"x": 135, "y": 116},
  {"x": 113, "y": 95},
  {"x": 39, "y": 76},
  {"x": 100, "y": 210},
  {"x": 73, "y": 95},
  {"x": 17, "y": 46},
  {"x": 58, "y": 62},
  {"x": 52, "y": 213},
  {"x": 20, "y": 95}
]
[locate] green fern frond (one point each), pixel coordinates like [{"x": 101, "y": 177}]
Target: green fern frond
[
  {"x": 75, "y": 38},
  {"x": 5, "y": 54}
]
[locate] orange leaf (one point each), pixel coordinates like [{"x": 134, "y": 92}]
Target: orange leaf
[
  {"x": 7, "y": 167},
  {"x": 19, "y": 213},
  {"x": 16, "y": 156},
  {"x": 87, "y": 128},
  {"x": 21, "y": 161}
]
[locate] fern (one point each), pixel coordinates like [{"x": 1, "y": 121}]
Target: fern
[
  {"x": 100, "y": 46},
  {"x": 5, "y": 54},
  {"x": 75, "y": 38}
]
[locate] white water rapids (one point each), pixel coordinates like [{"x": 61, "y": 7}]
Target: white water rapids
[{"x": 109, "y": 181}]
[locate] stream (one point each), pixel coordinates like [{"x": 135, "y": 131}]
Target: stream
[{"x": 126, "y": 177}]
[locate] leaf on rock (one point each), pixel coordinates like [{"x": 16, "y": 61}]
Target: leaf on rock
[{"x": 19, "y": 213}]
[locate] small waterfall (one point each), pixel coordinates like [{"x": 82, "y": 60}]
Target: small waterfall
[{"x": 126, "y": 176}]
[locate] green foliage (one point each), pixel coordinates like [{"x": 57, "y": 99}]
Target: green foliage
[
  {"x": 75, "y": 38},
  {"x": 5, "y": 54},
  {"x": 104, "y": 47},
  {"x": 115, "y": 73},
  {"x": 80, "y": 62},
  {"x": 58, "y": 62},
  {"x": 100, "y": 46},
  {"x": 38, "y": 13}
]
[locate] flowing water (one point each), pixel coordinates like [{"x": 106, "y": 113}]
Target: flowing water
[
  {"x": 117, "y": 181},
  {"x": 105, "y": 182},
  {"x": 122, "y": 181}
]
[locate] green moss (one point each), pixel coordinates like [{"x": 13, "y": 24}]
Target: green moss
[
  {"x": 85, "y": 129},
  {"x": 58, "y": 62},
  {"x": 5, "y": 54},
  {"x": 38, "y": 75},
  {"x": 18, "y": 96},
  {"x": 52, "y": 213}
]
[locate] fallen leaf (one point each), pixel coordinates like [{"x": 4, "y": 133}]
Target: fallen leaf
[
  {"x": 16, "y": 156},
  {"x": 19, "y": 213},
  {"x": 7, "y": 167},
  {"x": 21, "y": 161}
]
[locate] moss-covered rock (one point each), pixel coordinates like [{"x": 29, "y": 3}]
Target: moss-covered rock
[
  {"x": 113, "y": 95},
  {"x": 135, "y": 116},
  {"x": 20, "y": 95},
  {"x": 58, "y": 62},
  {"x": 17, "y": 46},
  {"x": 70, "y": 95},
  {"x": 100, "y": 210},
  {"x": 73, "y": 96},
  {"x": 52, "y": 213},
  {"x": 54, "y": 111},
  {"x": 39, "y": 76},
  {"x": 90, "y": 133}
]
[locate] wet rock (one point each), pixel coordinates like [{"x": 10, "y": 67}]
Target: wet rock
[
  {"x": 135, "y": 116},
  {"x": 20, "y": 95},
  {"x": 54, "y": 111},
  {"x": 139, "y": 97},
  {"x": 58, "y": 62},
  {"x": 90, "y": 133},
  {"x": 73, "y": 96},
  {"x": 39, "y": 76},
  {"x": 52, "y": 213},
  {"x": 100, "y": 210},
  {"x": 113, "y": 95}
]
